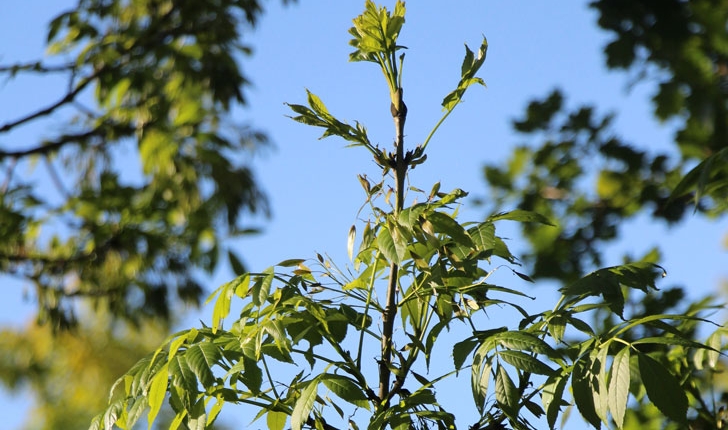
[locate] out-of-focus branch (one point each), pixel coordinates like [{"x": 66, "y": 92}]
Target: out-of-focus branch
[
  {"x": 49, "y": 147},
  {"x": 69, "y": 97},
  {"x": 36, "y": 66}
]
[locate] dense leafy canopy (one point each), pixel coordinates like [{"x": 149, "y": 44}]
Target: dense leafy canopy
[
  {"x": 575, "y": 167},
  {"x": 146, "y": 172},
  {"x": 301, "y": 348}
]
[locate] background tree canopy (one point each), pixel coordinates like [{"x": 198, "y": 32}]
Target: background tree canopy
[
  {"x": 632, "y": 178},
  {"x": 147, "y": 173}
]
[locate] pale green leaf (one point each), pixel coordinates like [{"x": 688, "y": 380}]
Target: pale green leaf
[
  {"x": 276, "y": 420},
  {"x": 157, "y": 392},
  {"x": 304, "y": 405},
  {"x": 619, "y": 386},
  {"x": 388, "y": 247}
]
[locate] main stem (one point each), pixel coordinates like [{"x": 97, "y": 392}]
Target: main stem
[{"x": 399, "y": 114}]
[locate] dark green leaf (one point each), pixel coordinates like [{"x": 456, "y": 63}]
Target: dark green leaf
[
  {"x": 663, "y": 389},
  {"x": 346, "y": 389},
  {"x": 521, "y": 216},
  {"x": 582, "y": 390},
  {"x": 461, "y": 350},
  {"x": 506, "y": 393},
  {"x": 525, "y": 362}
]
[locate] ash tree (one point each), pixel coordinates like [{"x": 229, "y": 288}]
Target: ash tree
[{"x": 319, "y": 345}]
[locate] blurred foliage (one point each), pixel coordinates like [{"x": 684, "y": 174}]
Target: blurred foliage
[
  {"x": 575, "y": 167},
  {"x": 144, "y": 172},
  {"x": 68, "y": 373}
]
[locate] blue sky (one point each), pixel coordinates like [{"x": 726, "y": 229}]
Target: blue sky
[{"x": 534, "y": 47}]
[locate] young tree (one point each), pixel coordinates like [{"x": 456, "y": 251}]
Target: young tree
[{"x": 311, "y": 335}]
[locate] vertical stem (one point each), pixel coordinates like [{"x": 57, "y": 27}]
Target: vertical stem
[{"x": 399, "y": 114}]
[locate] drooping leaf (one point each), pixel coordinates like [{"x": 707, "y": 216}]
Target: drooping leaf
[
  {"x": 663, "y": 389},
  {"x": 276, "y": 420},
  {"x": 346, "y": 389},
  {"x": 552, "y": 397},
  {"x": 157, "y": 392},
  {"x": 461, "y": 350},
  {"x": 619, "y": 386},
  {"x": 304, "y": 404},
  {"x": 506, "y": 393},
  {"x": 582, "y": 390}
]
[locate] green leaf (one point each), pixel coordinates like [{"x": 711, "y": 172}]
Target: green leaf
[
  {"x": 304, "y": 405},
  {"x": 276, "y": 420},
  {"x": 157, "y": 392},
  {"x": 346, "y": 389},
  {"x": 261, "y": 288},
  {"x": 619, "y": 386},
  {"x": 391, "y": 247},
  {"x": 522, "y": 216},
  {"x": 525, "y": 362},
  {"x": 582, "y": 390},
  {"x": 506, "y": 393},
  {"x": 663, "y": 389},
  {"x": 461, "y": 350},
  {"x": 483, "y": 236},
  {"x": 479, "y": 380},
  {"x": 524, "y": 341},
  {"x": 201, "y": 357},
  {"x": 445, "y": 224},
  {"x": 236, "y": 264},
  {"x": 552, "y": 397}
]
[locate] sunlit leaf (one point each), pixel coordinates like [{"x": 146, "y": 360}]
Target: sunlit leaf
[
  {"x": 157, "y": 392},
  {"x": 619, "y": 386},
  {"x": 303, "y": 406}
]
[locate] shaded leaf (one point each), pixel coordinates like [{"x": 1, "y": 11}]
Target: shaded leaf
[{"x": 663, "y": 389}]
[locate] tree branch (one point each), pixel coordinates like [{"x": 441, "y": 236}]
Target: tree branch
[
  {"x": 69, "y": 97},
  {"x": 37, "y": 66}
]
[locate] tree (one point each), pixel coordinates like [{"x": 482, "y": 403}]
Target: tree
[
  {"x": 306, "y": 334},
  {"x": 576, "y": 167},
  {"x": 113, "y": 216},
  {"x": 151, "y": 83}
]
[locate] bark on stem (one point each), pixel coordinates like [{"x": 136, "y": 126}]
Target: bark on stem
[{"x": 399, "y": 114}]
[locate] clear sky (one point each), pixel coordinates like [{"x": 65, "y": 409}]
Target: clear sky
[{"x": 534, "y": 47}]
